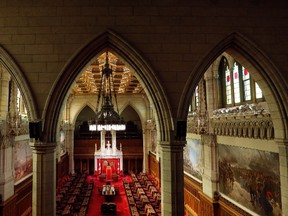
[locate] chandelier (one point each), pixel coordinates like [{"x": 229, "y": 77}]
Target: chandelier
[{"x": 107, "y": 118}]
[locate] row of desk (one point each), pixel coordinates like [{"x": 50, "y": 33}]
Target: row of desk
[
  {"x": 139, "y": 201},
  {"x": 74, "y": 196}
]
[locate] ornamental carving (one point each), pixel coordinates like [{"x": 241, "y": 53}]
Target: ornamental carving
[
  {"x": 246, "y": 109},
  {"x": 250, "y": 121},
  {"x": 11, "y": 127},
  {"x": 6, "y": 140},
  {"x": 197, "y": 123},
  {"x": 259, "y": 128},
  {"x": 17, "y": 125}
]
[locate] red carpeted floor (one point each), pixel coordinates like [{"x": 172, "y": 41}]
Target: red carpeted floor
[{"x": 97, "y": 199}]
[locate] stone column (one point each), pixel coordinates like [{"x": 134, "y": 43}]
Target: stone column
[
  {"x": 44, "y": 179},
  {"x": 172, "y": 178},
  {"x": 283, "y": 161},
  {"x": 113, "y": 136},
  {"x": 6, "y": 140},
  {"x": 4, "y": 92},
  {"x": 6, "y": 168},
  {"x": 211, "y": 94},
  {"x": 210, "y": 175},
  {"x": 102, "y": 139},
  {"x": 69, "y": 144},
  {"x": 146, "y": 146}
]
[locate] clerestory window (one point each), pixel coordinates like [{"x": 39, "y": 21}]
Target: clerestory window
[{"x": 236, "y": 85}]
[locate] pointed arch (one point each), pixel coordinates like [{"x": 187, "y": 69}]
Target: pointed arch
[
  {"x": 116, "y": 44},
  {"x": 267, "y": 76},
  {"x": 9, "y": 63},
  {"x": 135, "y": 108},
  {"x": 79, "y": 110}
]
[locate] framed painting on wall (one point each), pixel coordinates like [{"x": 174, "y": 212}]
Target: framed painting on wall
[
  {"x": 251, "y": 178},
  {"x": 22, "y": 159},
  {"x": 193, "y": 158}
]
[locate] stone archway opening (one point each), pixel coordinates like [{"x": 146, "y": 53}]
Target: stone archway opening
[{"x": 221, "y": 136}]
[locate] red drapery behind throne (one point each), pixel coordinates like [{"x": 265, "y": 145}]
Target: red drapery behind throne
[
  {"x": 104, "y": 163},
  {"x": 108, "y": 172}
]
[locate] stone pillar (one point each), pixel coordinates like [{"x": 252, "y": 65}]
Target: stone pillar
[
  {"x": 283, "y": 161},
  {"x": 146, "y": 147},
  {"x": 113, "y": 135},
  {"x": 6, "y": 168},
  {"x": 211, "y": 94},
  {"x": 69, "y": 144},
  {"x": 172, "y": 178},
  {"x": 210, "y": 175},
  {"x": 102, "y": 139},
  {"x": 4, "y": 92},
  {"x": 44, "y": 179},
  {"x": 6, "y": 140}
]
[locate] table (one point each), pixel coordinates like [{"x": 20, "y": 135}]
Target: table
[{"x": 109, "y": 192}]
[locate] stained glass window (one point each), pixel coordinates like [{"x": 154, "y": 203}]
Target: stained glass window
[
  {"x": 236, "y": 83},
  {"x": 18, "y": 100},
  {"x": 246, "y": 84},
  {"x": 196, "y": 96},
  {"x": 228, "y": 86},
  {"x": 258, "y": 91}
]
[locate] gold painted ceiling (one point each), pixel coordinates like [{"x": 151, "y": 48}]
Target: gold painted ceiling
[{"x": 124, "y": 81}]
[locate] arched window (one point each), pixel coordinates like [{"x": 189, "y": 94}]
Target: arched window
[
  {"x": 236, "y": 85},
  {"x": 195, "y": 100}
]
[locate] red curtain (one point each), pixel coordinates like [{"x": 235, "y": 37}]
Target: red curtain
[{"x": 114, "y": 163}]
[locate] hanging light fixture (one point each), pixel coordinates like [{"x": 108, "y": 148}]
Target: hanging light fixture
[{"x": 107, "y": 118}]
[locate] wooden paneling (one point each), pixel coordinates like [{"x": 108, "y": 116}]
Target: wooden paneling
[
  {"x": 130, "y": 147},
  {"x": 134, "y": 165},
  {"x": 207, "y": 205},
  {"x": 154, "y": 167},
  {"x": 7, "y": 208},
  {"x": 63, "y": 166},
  {"x": 191, "y": 194},
  {"x": 197, "y": 203},
  {"x": 21, "y": 202},
  {"x": 226, "y": 208},
  {"x": 132, "y": 154},
  {"x": 24, "y": 196}
]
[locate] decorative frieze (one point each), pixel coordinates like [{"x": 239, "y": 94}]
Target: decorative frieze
[
  {"x": 252, "y": 128},
  {"x": 242, "y": 110},
  {"x": 250, "y": 121}
]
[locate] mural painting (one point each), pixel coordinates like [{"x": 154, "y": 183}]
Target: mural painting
[
  {"x": 23, "y": 159},
  {"x": 193, "y": 158},
  {"x": 251, "y": 178}
]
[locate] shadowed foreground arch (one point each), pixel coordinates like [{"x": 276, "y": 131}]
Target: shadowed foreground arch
[
  {"x": 74, "y": 67},
  {"x": 267, "y": 76}
]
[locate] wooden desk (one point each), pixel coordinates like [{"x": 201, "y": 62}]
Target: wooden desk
[
  {"x": 109, "y": 192},
  {"x": 140, "y": 192},
  {"x": 72, "y": 199},
  {"x": 67, "y": 210},
  {"x": 144, "y": 199},
  {"x": 149, "y": 209}
]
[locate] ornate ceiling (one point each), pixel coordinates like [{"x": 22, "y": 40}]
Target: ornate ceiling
[{"x": 124, "y": 81}]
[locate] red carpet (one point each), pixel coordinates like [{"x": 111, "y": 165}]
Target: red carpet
[{"x": 97, "y": 199}]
